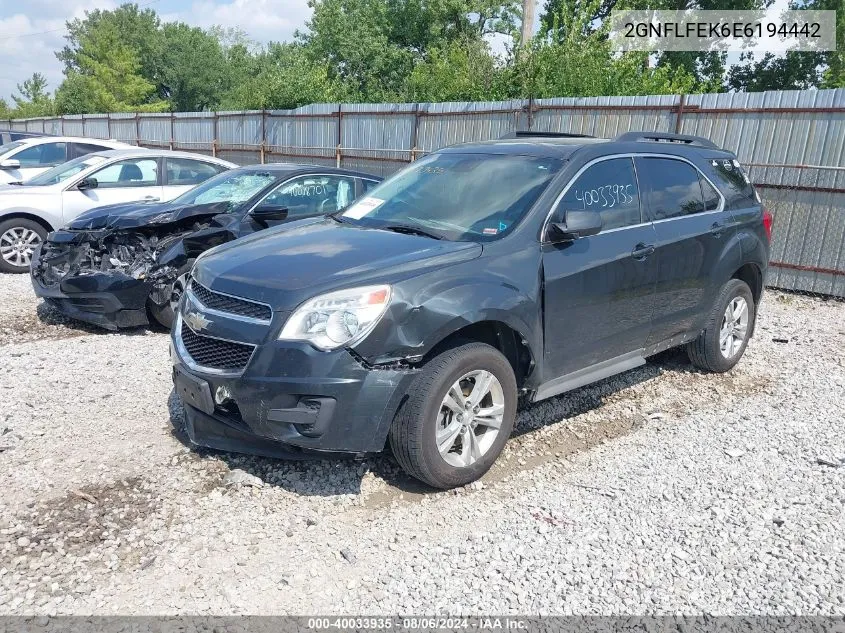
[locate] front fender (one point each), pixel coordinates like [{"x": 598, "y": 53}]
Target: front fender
[{"x": 421, "y": 318}]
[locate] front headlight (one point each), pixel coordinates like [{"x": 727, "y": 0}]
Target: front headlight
[{"x": 337, "y": 318}]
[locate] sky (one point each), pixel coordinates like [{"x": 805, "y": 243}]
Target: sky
[{"x": 32, "y": 30}]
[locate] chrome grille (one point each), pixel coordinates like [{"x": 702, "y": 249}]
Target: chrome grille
[
  {"x": 233, "y": 305},
  {"x": 215, "y": 353}
]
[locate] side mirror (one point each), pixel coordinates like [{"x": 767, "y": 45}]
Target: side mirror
[
  {"x": 87, "y": 183},
  {"x": 578, "y": 224},
  {"x": 269, "y": 213},
  {"x": 10, "y": 163}
]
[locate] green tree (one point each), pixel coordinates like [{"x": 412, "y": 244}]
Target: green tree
[
  {"x": 106, "y": 77},
  {"x": 279, "y": 78},
  {"x": 139, "y": 30},
  {"x": 193, "y": 68},
  {"x": 458, "y": 72},
  {"x": 33, "y": 100},
  {"x": 373, "y": 46}
]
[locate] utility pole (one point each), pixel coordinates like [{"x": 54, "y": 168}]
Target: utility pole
[{"x": 527, "y": 21}]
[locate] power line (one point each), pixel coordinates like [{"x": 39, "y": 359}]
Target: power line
[{"x": 11, "y": 37}]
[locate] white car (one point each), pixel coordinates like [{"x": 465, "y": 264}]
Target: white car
[
  {"x": 26, "y": 158},
  {"x": 30, "y": 210}
]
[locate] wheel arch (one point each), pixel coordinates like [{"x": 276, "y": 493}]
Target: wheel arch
[
  {"x": 28, "y": 216},
  {"x": 499, "y": 335}
]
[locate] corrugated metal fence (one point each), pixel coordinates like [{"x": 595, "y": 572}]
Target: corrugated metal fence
[{"x": 793, "y": 143}]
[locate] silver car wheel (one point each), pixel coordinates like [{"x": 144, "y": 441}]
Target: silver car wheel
[
  {"x": 470, "y": 417},
  {"x": 734, "y": 328},
  {"x": 17, "y": 245}
]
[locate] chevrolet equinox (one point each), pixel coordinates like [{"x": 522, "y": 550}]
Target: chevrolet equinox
[{"x": 417, "y": 316}]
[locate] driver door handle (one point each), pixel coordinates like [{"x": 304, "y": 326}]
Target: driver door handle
[{"x": 641, "y": 251}]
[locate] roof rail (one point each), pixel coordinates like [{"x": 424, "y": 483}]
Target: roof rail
[
  {"x": 533, "y": 134},
  {"x": 665, "y": 137}
]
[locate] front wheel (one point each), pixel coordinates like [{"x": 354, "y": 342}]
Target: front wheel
[
  {"x": 726, "y": 333},
  {"x": 165, "y": 314},
  {"x": 18, "y": 239},
  {"x": 458, "y": 414}
]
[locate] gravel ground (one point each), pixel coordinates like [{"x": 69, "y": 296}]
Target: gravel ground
[{"x": 660, "y": 491}]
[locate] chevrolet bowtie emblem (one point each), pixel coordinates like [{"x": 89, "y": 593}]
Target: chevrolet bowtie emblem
[{"x": 196, "y": 321}]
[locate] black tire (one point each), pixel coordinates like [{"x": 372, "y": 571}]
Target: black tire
[
  {"x": 412, "y": 434},
  {"x": 164, "y": 314},
  {"x": 705, "y": 352},
  {"x": 18, "y": 224}
]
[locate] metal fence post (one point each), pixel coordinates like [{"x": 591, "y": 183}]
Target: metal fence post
[
  {"x": 338, "y": 152},
  {"x": 138, "y": 129},
  {"x": 415, "y": 132},
  {"x": 681, "y": 102},
  {"x": 263, "y": 134},
  {"x": 215, "y": 134}
]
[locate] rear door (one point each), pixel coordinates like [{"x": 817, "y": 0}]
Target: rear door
[
  {"x": 693, "y": 230},
  {"x": 599, "y": 290},
  {"x": 127, "y": 180}
]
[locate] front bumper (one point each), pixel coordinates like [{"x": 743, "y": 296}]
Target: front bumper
[
  {"x": 110, "y": 300},
  {"x": 290, "y": 399}
]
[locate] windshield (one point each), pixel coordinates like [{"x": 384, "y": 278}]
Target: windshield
[
  {"x": 475, "y": 197},
  {"x": 64, "y": 171},
  {"x": 234, "y": 188},
  {"x": 8, "y": 147}
]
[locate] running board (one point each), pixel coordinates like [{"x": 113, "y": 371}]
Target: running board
[{"x": 585, "y": 376}]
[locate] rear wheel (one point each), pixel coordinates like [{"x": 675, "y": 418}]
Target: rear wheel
[
  {"x": 165, "y": 314},
  {"x": 18, "y": 239},
  {"x": 458, "y": 414},
  {"x": 726, "y": 333}
]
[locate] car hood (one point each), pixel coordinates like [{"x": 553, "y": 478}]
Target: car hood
[
  {"x": 286, "y": 266},
  {"x": 133, "y": 215}
]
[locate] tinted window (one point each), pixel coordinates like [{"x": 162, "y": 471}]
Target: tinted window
[
  {"x": 673, "y": 188},
  {"x": 44, "y": 155},
  {"x": 733, "y": 182},
  {"x": 81, "y": 149},
  {"x": 610, "y": 188},
  {"x": 475, "y": 197},
  {"x": 312, "y": 195},
  {"x": 369, "y": 184},
  {"x": 133, "y": 172},
  {"x": 184, "y": 171},
  {"x": 711, "y": 196}
]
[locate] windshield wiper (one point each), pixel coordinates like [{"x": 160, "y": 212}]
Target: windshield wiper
[{"x": 410, "y": 230}]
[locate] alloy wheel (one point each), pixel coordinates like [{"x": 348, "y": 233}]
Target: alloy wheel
[
  {"x": 734, "y": 328},
  {"x": 470, "y": 418},
  {"x": 17, "y": 245}
]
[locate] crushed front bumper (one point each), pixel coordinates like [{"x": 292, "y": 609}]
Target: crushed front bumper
[
  {"x": 110, "y": 300},
  {"x": 289, "y": 401}
]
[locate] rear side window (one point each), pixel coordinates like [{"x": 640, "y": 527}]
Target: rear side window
[
  {"x": 81, "y": 149},
  {"x": 673, "y": 188},
  {"x": 712, "y": 200},
  {"x": 734, "y": 183},
  {"x": 184, "y": 171},
  {"x": 609, "y": 188},
  {"x": 369, "y": 184}
]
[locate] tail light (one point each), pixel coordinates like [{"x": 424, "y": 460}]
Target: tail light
[{"x": 768, "y": 220}]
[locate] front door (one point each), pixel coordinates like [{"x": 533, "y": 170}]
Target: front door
[
  {"x": 693, "y": 231},
  {"x": 127, "y": 180},
  {"x": 599, "y": 290},
  {"x": 305, "y": 196}
]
